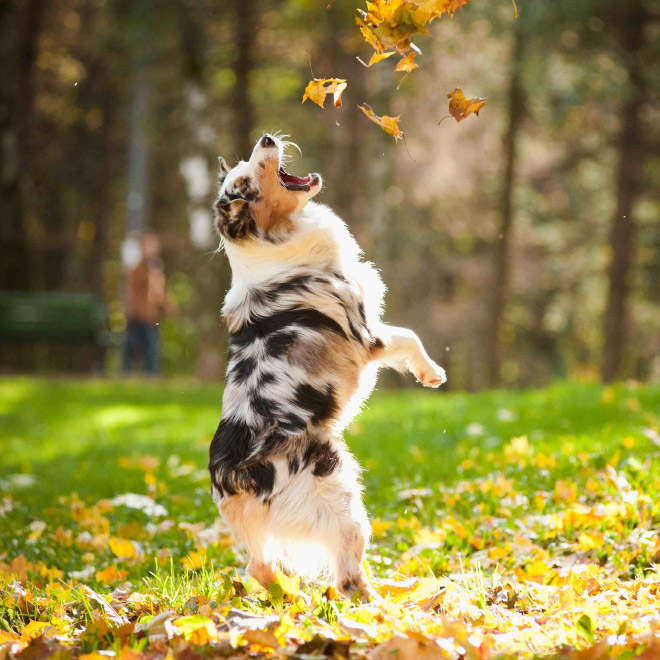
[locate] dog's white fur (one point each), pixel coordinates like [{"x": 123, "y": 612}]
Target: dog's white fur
[{"x": 303, "y": 270}]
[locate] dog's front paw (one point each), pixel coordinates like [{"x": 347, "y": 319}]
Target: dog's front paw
[{"x": 431, "y": 375}]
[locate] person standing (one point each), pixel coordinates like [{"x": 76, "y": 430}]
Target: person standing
[{"x": 147, "y": 301}]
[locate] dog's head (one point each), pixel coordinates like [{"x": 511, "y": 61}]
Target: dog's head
[{"x": 259, "y": 198}]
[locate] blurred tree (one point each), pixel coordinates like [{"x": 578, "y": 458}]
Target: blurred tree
[
  {"x": 246, "y": 26},
  {"x": 20, "y": 26},
  {"x": 499, "y": 290},
  {"x": 631, "y": 23}
]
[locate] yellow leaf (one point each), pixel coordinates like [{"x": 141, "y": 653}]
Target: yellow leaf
[
  {"x": 122, "y": 547},
  {"x": 388, "y": 124},
  {"x": 36, "y": 628},
  {"x": 629, "y": 442},
  {"x": 408, "y": 63},
  {"x": 379, "y": 527},
  {"x": 423, "y": 589},
  {"x": 319, "y": 88},
  {"x": 195, "y": 559},
  {"x": 460, "y": 107},
  {"x": 379, "y": 57},
  {"x": 290, "y": 585},
  {"x": 197, "y": 629},
  {"x": 589, "y": 542},
  {"x": 92, "y": 656}
]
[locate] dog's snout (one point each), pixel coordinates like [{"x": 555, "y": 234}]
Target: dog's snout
[{"x": 267, "y": 141}]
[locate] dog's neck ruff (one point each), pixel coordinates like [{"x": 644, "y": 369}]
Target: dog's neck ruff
[{"x": 321, "y": 243}]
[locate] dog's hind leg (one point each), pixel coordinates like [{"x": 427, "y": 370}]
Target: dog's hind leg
[
  {"x": 248, "y": 518},
  {"x": 323, "y": 505}
]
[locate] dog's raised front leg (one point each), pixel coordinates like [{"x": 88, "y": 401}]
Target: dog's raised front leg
[{"x": 402, "y": 349}]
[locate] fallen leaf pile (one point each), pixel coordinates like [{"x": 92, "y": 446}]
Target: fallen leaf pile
[{"x": 485, "y": 567}]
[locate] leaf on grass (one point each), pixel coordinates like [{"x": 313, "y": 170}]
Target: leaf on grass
[
  {"x": 290, "y": 585},
  {"x": 197, "y": 629},
  {"x": 110, "y": 575},
  {"x": 408, "y": 63},
  {"x": 319, "y": 88},
  {"x": 460, "y": 107},
  {"x": 388, "y": 124},
  {"x": 122, "y": 547},
  {"x": 402, "y": 646}
]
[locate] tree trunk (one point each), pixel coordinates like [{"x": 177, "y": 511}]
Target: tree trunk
[
  {"x": 246, "y": 29},
  {"x": 20, "y": 25},
  {"x": 501, "y": 255},
  {"x": 628, "y": 179},
  {"x": 103, "y": 185}
]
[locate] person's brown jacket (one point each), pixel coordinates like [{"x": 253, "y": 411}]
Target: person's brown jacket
[{"x": 147, "y": 298}]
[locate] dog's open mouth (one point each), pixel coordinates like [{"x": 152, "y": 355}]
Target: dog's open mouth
[{"x": 291, "y": 182}]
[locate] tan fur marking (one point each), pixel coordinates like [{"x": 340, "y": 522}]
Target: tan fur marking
[{"x": 276, "y": 204}]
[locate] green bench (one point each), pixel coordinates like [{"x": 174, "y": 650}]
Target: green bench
[{"x": 71, "y": 319}]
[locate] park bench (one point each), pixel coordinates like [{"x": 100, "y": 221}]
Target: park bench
[{"x": 64, "y": 318}]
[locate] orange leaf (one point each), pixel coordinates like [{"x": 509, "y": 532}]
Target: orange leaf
[
  {"x": 460, "y": 107},
  {"x": 388, "y": 124},
  {"x": 319, "y": 88},
  {"x": 408, "y": 63}
]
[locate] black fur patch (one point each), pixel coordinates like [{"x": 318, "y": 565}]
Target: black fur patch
[
  {"x": 292, "y": 423},
  {"x": 262, "y": 327},
  {"x": 294, "y": 463},
  {"x": 323, "y": 456},
  {"x": 242, "y": 369},
  {"x": 231, "y": 472},
  {"x": 377, "y": 343},
  {"x": 322, "y": 405},
  {"x": 233, "y": 218},
  {"x": 278, "y": 343}
]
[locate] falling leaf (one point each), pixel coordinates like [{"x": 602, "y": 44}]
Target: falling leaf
[
  {"x": 388, "y": 124},
  {"x": 461, "y": 108},
  {"x": 319, "y": 88},
  {"x": 408, "y": 63},
  {"x": 379, "y": 57}
]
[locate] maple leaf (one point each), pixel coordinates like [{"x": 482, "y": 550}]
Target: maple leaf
[
  {"x": 319, "y": 88},
  {"x": 408, "y": 63},
  {"x": 388, "y": 124},
  {"x": 461, "y": 107}
]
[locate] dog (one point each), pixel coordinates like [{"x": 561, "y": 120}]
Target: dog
[{"x": 305, "y": 343}]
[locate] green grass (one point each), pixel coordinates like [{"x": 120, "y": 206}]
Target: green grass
[{"x": 451, "y": 478}]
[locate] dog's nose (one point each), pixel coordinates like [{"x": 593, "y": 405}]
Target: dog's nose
[{"x": 267, "y": 141}]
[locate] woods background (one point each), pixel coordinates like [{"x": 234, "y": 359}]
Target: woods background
[{"x": 522, "y": 245}]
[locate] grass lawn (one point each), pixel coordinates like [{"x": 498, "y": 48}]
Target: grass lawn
[{"x": 506, "y": 523}]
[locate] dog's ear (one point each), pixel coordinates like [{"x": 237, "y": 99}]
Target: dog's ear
[
  {"x": 233, "y": 219},
  {"x": 224, "y": 170}
]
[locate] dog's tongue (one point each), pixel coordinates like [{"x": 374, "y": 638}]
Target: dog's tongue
[{"x": 295, "y": 182}]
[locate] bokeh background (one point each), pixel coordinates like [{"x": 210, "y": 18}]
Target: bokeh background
[{"x": 523, "y": 245}]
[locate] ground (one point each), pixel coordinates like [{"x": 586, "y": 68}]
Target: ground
[{"x": 505, "y": 524}]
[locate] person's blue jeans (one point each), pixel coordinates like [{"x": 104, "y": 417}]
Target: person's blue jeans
[{"x": 142, "y": 341}]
